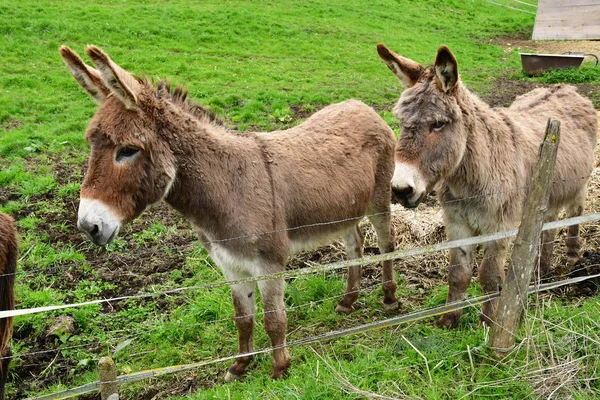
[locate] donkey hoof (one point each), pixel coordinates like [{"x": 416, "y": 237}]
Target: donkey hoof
[
  {"x": 230, "y": 377},
  {"x": 341, "y": 309},
  {"x": 280, "y": 373},
  {"x": 393, "y": 306},
  {"x": 572, "y": 260},
  {"x": 233, "y": 374},
  {"x": 448, "y": 321}
]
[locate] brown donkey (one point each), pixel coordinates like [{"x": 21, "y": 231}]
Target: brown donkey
[
  {"x": 8, "y": 266},
  {"x": 275, "y": 194},
  {"x": 481, "y": 160}
]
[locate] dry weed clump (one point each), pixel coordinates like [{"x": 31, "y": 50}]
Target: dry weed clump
[{"x": 558, "y": 358}]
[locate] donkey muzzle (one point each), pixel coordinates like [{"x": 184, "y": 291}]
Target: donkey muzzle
[
  {"x": 98, "y": 221},
  {"x": 405, "y": 196},
  {"x": 408, "y": 185}
]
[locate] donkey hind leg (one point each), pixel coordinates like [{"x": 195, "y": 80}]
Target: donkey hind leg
[
  {"x": 244, "y": 306},
  {"x": 491, "y": 276},
  {"x": 385, "y": 241},
  {"x": 573, "y": 240},
  {"x": 275, "y": 320},
  {"x": 459, "y": 275},
  {"x": 353, "y": 242},
  {"x": 547, "y": 245}
]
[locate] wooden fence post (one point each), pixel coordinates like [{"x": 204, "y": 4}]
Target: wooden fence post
[
  {"x": 108, "y": 379},
  {"x": 513, "y": 298}
]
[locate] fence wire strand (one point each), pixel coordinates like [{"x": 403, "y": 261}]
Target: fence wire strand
[
  {"x": 510, "y": 7},
  {"x": 525, "y": 3},
  {"x": 147, "y": 330}
]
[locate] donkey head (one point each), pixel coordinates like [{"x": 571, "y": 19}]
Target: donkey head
[
  {"x": 433, "y": 139},
  {"x": 130, "y": 167}
]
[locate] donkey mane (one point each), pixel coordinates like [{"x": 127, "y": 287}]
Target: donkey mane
[{"x": 179, "y": 95}]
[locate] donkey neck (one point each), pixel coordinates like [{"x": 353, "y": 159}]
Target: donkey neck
[
  {"x": 492, "y": 159},
  {"x": 212, "y": 165}
]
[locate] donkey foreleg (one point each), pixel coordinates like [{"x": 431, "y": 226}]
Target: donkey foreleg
[
  {"x": 460, "y": 269},
  {"x": 353, "y": 242},
  {"x": 491, "y": 276},
  {"x": 459, "y": 278},
  {"x": 244, "y": 307},
  {"x": 275, "y": 320},
  {"x": 6, "y": 357},
  {"x": 545, "y": 258}
]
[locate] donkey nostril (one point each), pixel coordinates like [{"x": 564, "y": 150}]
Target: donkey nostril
[
  {"x": 404, "y": 192},
  {"x": 95, "y": 230}
]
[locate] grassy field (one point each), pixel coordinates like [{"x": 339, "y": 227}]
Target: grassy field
[{"x": 259, "y": 65}]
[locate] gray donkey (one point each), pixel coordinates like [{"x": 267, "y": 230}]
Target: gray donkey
[{"x": 482, "y": 159}]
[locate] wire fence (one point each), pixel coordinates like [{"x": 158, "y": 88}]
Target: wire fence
[
  {"x": 329, "y": 335},
  {"x": 320, "y": 268},
  {"x": 147, "y": 330},
  {"x": 410, "y": 317},
  {"x": 366, "y": 260}
]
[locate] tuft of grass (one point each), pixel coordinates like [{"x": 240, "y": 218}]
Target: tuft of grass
[
  {"x": 587, "y": 73},
  {"x": 70, "y": 190}
]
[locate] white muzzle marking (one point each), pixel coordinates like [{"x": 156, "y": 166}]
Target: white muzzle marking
[
  {"x": 407, "y": 176},
  {"x": 98, "y": 221}
]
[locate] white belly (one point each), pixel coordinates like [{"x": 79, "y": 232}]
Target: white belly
[
  {"x": 233, "y": 266},
  {"x": 313, "y": 242}
]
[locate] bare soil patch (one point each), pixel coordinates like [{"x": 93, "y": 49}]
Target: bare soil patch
[
  {"x": 11, "y": 124},
  {"x": 505, "y": 90}
]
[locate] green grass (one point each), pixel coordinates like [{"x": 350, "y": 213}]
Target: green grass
[
  {"x": 256, "y": 64},
  {"x": 587, "y": 73}
]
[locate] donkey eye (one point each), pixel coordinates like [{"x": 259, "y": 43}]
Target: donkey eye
[
  {"x": 126, "y": 152},
  {"x": 436, "y": 126}
]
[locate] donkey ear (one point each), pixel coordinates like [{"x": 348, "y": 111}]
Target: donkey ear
[
  {"x": 120, "y": 82},
  {"x": 87, "y": 77},
  {"x": 446, "y": 69},
  {"x": 408, "y": 71}
]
